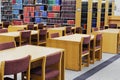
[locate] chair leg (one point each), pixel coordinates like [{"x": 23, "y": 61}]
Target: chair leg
[
  {"x": 15, "y": 76},
  {"x": 88, "y": 59}
]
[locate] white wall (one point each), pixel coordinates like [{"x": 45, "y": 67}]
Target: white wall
[{"x": 117, "y": 8}]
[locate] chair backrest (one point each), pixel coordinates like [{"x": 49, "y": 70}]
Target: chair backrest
[
  {"x": 53, "y": 59},
  {"x": 6, "y": 24},
  {"x": 54, "y": 35},
  {"x": 85, "y": 44},
  {"x": 95, "y": 29},
  {"x": 112, "y": 25},
  {"x": 25, "y": 34},
  {"x": 25, "y": 37},
  {"x": 42, "y": 34},
  {"x": 7, "y": 45},
  {"x": 18, "y": 65},
  {"x": 0, "y": 25},
  {"x": 30, "y": 26},
  {"x": 3, "y": 30},
  {"x": 98, "y": 39},
  {"x": 68, "y": 29},
  {"x": 40, "y": 26},
  {"x": 78, "y": 30}
]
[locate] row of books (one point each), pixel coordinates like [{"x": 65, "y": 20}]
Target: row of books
[
  {"x": 29, "y": 9},
  {"x": 68, "y": 8},
  {"x": 68, "y": 15},
  {"x": 41, "y": 14},
  {"x": 68, "y": 3},
  {"x": 54, "y": 8},
  {"x": 53, "y": 15}
]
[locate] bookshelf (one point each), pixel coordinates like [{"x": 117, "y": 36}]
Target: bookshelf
[
  {"x": 0, "y": 12},
  {"x": 28, "y": 11},
  {"x": 94, "y": 14},
  {"x": 40, "y": 12},
  {"x": 68, "y": 12},
  {"x": 102, "y": 23},
  {"x": 6, "y": 10}
]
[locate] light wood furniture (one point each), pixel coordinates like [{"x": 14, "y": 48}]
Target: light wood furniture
[
  {"x": 36, "y": 52},
  {"x": 6, "y": 39},
  {"x": 72, "y": 47},
  {"x": 60, "y": 30},
  {"x": 110, "y": 40},
  {"x": 13, "y": 35},
  {"x": 114, "y": 20}
]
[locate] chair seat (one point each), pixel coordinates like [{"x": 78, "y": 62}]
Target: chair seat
[
  {"x": 97, "y": 47},
  {"x": 7, "y": 78},
  {"x": 50, "y": 73}
]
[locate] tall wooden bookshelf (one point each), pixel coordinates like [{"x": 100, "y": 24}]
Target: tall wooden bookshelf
[{"x": 6, "y": 10}]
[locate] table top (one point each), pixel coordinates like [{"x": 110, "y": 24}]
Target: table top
[
  {"x": 23, "y": 26},
  {"x": 74, "y": 37},
  {"x": 59, "y": 28},
  {"x": 17, "y": 33},
  {"x": 35, "y": 51},
  {"x": 110, "y": 30}
]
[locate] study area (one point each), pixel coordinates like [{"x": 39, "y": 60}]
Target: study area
[{"x": 59, "y": 39}]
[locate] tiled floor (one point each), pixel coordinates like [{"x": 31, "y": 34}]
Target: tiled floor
[
  {"x": 110, "y": 72},
  {"x": 71, "y": 75}
]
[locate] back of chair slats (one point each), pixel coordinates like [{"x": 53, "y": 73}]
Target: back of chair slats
[
  {"x": 53, "y": 59},
  {"x": 3, "y": 30},
  {"x": 6, "y": 24},
  {"x": 54, "y": 35},
  {"x": 112, "y": 25},
  {"x": 40, "y": 26},
  {"x": 25, "y": 34},
  {"x": 7, "y": 45},
  {"x": 16, "y": 66},
  {"x": 42, "y": 34},
  {"x": 78, "y": 30},
  {"x": 30, "y": 26}
]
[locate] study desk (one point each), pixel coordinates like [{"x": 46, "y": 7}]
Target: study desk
[
  {"x": 110, "y": 40},
  {"x": 12, "y": 28},
  {"x": 9, "y": 36},
  {"x": 36, "y": 52},
  {"x": 71, "y": 45},
  {"x": 59, "y": 30}
]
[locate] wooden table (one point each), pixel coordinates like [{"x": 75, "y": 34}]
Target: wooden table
[
  {"x": 71, "y": 45},
  {"x": 59, "y": 30},
  {"x": 10, "y": 36},
  {"x": 36, "y": 52},
  {"x": 110, "y": 40}
]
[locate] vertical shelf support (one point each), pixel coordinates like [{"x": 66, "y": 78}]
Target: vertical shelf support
[
  {"x": 99, "y": 13},
  {"x": 106, "y": 12},
  {"x": 89, "y": 17},
  {"x": 78, "y": 14}
]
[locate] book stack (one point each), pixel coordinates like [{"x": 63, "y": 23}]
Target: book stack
[{"x": 28, "y": 14}]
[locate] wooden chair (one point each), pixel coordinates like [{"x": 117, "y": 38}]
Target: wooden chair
[
  {"x": 54, "y": 35},
  {"x": 68, "y": 30},
  {"x": 40, "y": 38},
  {"x": 25, "y": 37},
  {"x": 85, "y": 51},
  {"x": 3, "y": 30},
  {"x": 112, "y": 25},
  {"x": 78, "y": 30},
  {"x": 40, "y": 26},
  {"x": 6, "y": 24},
  {"x": 96, "y": 48},
  {"x": 12, "y": 67},
  {"x": 94, "y": 29},
  {"x": 30, "y": 27},
  {"x": 7, "y": 45},
  {"x": 51, "y": 70},
  {"x": 1, "y": 25}
]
